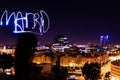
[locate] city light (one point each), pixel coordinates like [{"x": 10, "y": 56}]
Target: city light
[{"x": 112, "y": 78}]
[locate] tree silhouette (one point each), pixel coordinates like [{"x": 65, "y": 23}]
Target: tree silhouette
[
  {"x": 60, "y": 73},
  {"x": 91, "y": 71},
  {"x": 107, "y": 76},
  {"x": 6, "y": 61},
  {"x": 24, "y": 51}
]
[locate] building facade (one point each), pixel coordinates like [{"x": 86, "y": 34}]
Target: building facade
[{"x": 115, "y": 70}]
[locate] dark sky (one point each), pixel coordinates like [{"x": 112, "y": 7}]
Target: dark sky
[{"x": 81, "y": 22}]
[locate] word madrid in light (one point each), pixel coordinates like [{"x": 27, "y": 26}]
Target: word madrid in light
[{"x": 39, "y": 21}]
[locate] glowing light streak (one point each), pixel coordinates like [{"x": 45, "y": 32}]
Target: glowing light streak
[
  {"x": 21, "y": 22},
  {"x": 7, "y": 18}
]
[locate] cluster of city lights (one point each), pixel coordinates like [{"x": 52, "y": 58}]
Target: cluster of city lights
[{"x": 21, "y": 23}]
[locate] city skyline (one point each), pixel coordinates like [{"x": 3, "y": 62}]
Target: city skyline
[{"x": 80, "y": 22}]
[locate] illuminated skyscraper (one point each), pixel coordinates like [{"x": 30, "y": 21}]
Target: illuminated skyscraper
[{"x": 104, "y": 40}]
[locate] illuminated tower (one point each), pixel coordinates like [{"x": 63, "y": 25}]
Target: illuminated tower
[{"x": 104, "y": 41}]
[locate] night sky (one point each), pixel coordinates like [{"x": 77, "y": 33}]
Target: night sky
[{"x": 81, "y": 22}]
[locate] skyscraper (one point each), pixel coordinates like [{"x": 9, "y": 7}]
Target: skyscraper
[{"x": 104, "y": 41}]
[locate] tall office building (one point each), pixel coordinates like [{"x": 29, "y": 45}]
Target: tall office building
[{"x": 104, "y": 41}]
